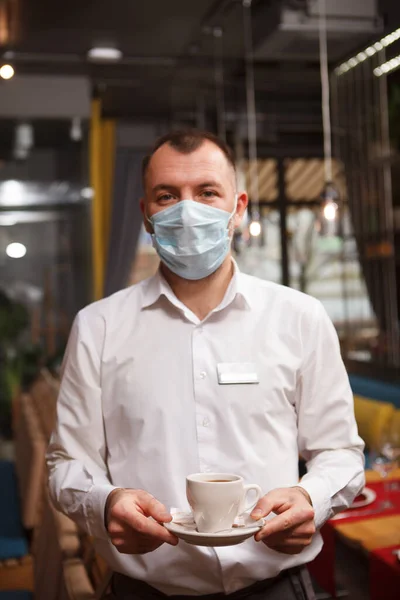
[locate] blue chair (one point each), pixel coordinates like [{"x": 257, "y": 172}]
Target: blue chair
[
  {"x": 375, "y": 389},
  {"x": 13, "y": 541}
]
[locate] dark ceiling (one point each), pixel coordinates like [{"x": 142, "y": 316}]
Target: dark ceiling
[{"x": 167, "y": 71}]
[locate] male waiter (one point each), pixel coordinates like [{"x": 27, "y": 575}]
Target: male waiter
[{"x": 142, "y": 404}]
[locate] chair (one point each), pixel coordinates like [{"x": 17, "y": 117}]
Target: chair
[
  {"x": 56, "y": 540},
  {"x": 395, "y": 424},
  {"x": 99, "y": 572},
  {"x": 44, "y": 392},
  {"x": 373, "y": 417},
  {"x": 21, "y": 500},
  {"x": 75, "y": 583},
  {"x": 54, "y": 571},
  {"x": 30, "y": 448},
  {"x": 15, "y": 560}
]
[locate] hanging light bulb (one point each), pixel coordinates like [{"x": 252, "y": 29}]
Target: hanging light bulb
[
  {"x": 328, "y": 223},
  {"x": 255, "y": 225},
  {"x": 330, "y": 211},
  {"x": 255, "y": 228},
  {"x": 329, "y": 195},
  {"x": 75, "y": 131},
  {"x": 23, "y": 140}
]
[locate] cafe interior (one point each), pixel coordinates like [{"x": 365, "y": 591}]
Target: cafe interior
[{"x": 307, "y": 94}]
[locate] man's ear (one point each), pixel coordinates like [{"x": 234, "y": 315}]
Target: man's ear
[
  {"x": 242, "y": 202},
  {"x": 146, "y": 223}
]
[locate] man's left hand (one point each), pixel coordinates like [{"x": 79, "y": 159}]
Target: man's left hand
[{"x": 293, "y": 527}]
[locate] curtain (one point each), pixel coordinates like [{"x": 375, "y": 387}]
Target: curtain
[
  {"x": 102, "y": 157},
  {"x": 126, "y": 218},
  {"x": 362, "y": 143}
]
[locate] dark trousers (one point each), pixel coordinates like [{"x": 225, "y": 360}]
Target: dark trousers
[{"x": 293, "y": 584}]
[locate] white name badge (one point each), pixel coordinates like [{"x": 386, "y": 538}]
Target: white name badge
[{"x": 236, "y": 373}]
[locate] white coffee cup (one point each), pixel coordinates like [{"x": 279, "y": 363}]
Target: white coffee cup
[{"x": 217, "y": 499}]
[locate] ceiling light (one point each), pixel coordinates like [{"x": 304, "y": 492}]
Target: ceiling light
[
  {"x": 76, "y": 129},
  {"x": 87, "y": 192},
  {"x": 387, "y": 40},
  {"x": 387, "y": 67},
  {"x": 12, "y": 192},
  {"x": 16, "y": 250},
  {"x": 7, "y": 221},
  {"x": 24, "y": 135},
  {"x": 104, "y": 53},
  {"x": 6, "y": 71},
  {"x": 255, "y": 228}
]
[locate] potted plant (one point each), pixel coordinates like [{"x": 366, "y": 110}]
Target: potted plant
[{"x": 19, "y": 363}]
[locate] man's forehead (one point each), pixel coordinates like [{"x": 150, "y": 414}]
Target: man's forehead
[{"x": 207, "y": 156}]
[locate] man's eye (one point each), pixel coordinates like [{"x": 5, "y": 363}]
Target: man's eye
[
  {"x": 165, "y": 198},
  {"x": 208, "y": 193}
]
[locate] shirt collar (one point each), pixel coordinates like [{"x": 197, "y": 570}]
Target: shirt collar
[{"x": 238, "y": 291}]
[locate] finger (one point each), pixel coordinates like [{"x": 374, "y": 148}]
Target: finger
[
  {"x": 282, "y": 537},
  {"x": 286, "y": 520},
  {"x": 151, "y": 507},
  {"x": 146, "y": 526},
  {"x": 276, "y": 501},
  {"x": 304, "y": 531},
  {"x": 263, "y": 507}
]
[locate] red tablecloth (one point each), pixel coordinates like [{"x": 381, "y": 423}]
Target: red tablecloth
[
  {"x": 323, "y": 567},
  {"x": 384, "y": 574}
]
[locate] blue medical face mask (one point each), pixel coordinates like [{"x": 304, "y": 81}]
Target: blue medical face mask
[{"x": 192, "y": 238}]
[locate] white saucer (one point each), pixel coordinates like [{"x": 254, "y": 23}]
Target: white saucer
[
  {"x": 368, "y": 497},
  {"x": 184, "y": 528}
]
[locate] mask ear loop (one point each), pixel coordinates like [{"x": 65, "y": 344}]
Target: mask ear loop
[
  {"x": 231, "y": 228},
  {"x": 149, "y": 221}
]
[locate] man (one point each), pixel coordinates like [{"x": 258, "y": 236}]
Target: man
[{"x": 141, "y": 405}]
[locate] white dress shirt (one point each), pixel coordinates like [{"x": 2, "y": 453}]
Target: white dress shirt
[{"x": 140, "y": 407}]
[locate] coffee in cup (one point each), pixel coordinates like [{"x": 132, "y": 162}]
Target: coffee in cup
[{"x": 217, "y": 499}]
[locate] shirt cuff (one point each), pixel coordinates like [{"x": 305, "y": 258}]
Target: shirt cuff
[
  {"x": 95, "y": 515},
  {"x": 320, "y": 499}
]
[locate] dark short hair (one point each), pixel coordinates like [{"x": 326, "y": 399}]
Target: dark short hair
[{"x": 186, "y": 141}]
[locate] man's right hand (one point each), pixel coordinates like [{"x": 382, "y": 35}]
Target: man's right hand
[{"x": 133, "y": 519}]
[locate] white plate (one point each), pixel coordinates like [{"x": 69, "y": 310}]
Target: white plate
[
  {"x": 187, "y": 532},
  {"x": 368, "y": 497}
]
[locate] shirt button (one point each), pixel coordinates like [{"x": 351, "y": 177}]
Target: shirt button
[
  {"x": 206, "y": 422},
  {"x": 203, "y": 374}
]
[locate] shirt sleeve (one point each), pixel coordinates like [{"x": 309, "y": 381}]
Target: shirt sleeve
[
  {"x": 76, "y": 458},
  {"x": 327, "y": 431}
]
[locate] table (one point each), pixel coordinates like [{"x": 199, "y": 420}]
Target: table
[{"x": 375, "y": 535}]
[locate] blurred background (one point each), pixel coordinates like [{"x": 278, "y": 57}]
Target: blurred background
[{"x": 306, "y": 92}]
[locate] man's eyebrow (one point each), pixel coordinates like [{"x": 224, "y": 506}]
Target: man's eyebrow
[
  {"x": 209, "y": 184},
  {"x": 164, "y": 186}
]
